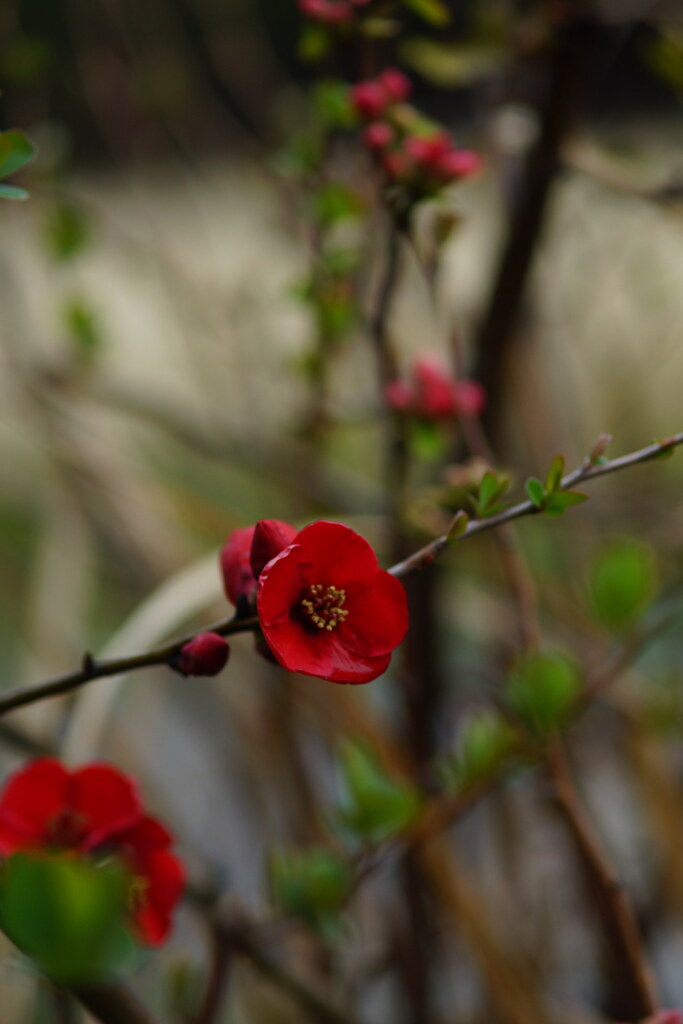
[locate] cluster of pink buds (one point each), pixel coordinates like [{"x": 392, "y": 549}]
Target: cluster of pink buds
[
  {"x": 432, "y": 393},
  {"x": 331, "y": 13},
  {"x": 410, "y": 150}
]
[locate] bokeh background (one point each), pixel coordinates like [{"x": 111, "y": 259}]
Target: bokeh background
[{"x": 156, "y": 392}]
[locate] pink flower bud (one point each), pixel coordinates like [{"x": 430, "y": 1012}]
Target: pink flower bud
[
  {"x": 397, "y": 85},
  {"x": 205, "y": 655},
  {"x": 271, "y": 536},
  {"x": 378, "y": 135},
  {"x": 399, "y": 395},
  {"x": 370, "y": 99},
  {"x": 458, "y": 163},
  {"x": 327, "y": 12},
  {"x": 238, "y": 579},
  {"x": 428, "y": 151}
]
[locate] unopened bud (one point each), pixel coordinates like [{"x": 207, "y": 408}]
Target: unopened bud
[
  {"x": 205, "y": 655},
  {"x": 598, "y": 450},
  {"x": 271, "y": 536}
]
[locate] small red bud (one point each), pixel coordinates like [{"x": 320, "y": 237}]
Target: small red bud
[
  {"x": 271, "y": 536},
  {"x": 205, "y": 655},
  {"x": 396, "y": 84},
  {"x": 370, "y": 99},
  {"x": 238, "y": 580},
  {"x": 378, "y": 135}
]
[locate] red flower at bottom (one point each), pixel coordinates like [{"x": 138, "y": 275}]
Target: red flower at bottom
[
  {"x": 327, "y": 609},
  {"x": 95, "y": 811}
]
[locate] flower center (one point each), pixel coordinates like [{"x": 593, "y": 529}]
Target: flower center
[
  {"x": 66, "y": 829},
  {"x": 324, "y": 606}
]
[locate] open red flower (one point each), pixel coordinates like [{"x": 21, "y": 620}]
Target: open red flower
[
  {"x": 93, "y": 811},
  {"x": 327, "y": 609}
]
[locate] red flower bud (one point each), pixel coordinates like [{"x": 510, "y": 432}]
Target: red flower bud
[
  {"x": 378, "y": 135},
  {"x": 238, "y": 579},
  {"x": 397, "y": 85},
  {"x": 327, "y": 12},
  {"x": 458, "y": 163},
  {"x": 271, "y": 536},
  {"x": 205, "y": 655},
  {"x": 370, "y": 99}
]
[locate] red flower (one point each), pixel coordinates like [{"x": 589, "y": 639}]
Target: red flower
[
  {"x": 204, "y": 655},
  {"x": 327, "y": 12},
  {"x": 433, "y": 394},
  {"x": 93, "y": 811},
  {"x": 327, "y": 609}
]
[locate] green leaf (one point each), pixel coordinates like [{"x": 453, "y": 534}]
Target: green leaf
[
  {"x": 376, "y": 806},
  {"x": 314, "y": 42},
  {"x": 82, "y": 325},
  {"x": 333, "y": 203},
  {"x": 66, "y": 231},
  {"x": 332, "y": 104},
  {"x": 555, "y": 504},
  {"x": 434, "y": 12},
  {"x": 491, "y": 489},
  {"x": 16, "y": 150},
  {"x": 447, "y": 65},
  {"x": 485, "y": 740},
  {"x": 67, "y": 914},
  {"x": 555, "y": 474},
  {"x": 542, "y": 689},
  {"x": 536, "y": 492},
  {"x": 13, "y": 192},
  {"x": 311, "y": 884},
  {"x": 623, "y": 581},
  {"x": 427, "y": 441}
]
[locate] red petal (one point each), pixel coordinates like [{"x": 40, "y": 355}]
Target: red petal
[
  {"x": 165, "y": 878},
  {"x": 32, "y": 798},
  {"x": 279, "y": 587},
  {"x": 106, "y": 799},
  {"x": 238, "y": 580},
  {"x": 146, "y": 834},
  {"x": 378, "y": 616},
  {"x": 321, "y": 654},
  {"x": 271, "y": 536},
  {"x": 337, "y": 553}
]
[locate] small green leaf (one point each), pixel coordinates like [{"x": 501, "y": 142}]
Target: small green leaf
[
  {"x": 485, "y": 740},
  {"x": 16, "y": 150},
  {"x": 333, "y": 203},
  {"x": 66, "y": 231},
  {"x": 434, "y": 12},
  {"x": 427, "y": 441},
  {"x": 13, "y": 192},
  {"x": 623, "y": 581},
  {"x": 376, "y": 806},
  {"x": 332, "y": 104},
  {"x": 68, "y": 914},
  {"x": 314, "y": 42},
  {"x": 458, "y": 526},
  {"x": 311, "y": 884},
  {"x": 555, "y": 474},
  {"x": 82, "y": 325},
  {"x": 536, "y": 492},
  {"x": 542, "y": 690},
  {"x": 555, "y": 504},
  {"x": 491, "y": 489}
]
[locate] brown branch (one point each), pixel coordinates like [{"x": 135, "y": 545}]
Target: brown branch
[
  {"x": 113, "y": 1004},
  {"x": 92, "y": 669},
  {"x": 635, "y": 981}
]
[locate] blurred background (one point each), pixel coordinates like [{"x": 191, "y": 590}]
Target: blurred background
[{"x": 170, "y": 370}]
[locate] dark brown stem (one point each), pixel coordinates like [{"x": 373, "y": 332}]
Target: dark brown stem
[
  {"x": 113, "y": 1004},
  {"x": 568, "y": 62},
  {"x": 93, "y": 669},
  {"x": 636, "y": 986},
  {"x": 221, "y": 958}
]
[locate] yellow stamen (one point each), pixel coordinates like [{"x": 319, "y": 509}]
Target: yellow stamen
[{"x": 324, "y": 606}]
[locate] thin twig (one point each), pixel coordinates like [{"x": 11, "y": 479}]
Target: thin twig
[
  {"x": 113, "y": 1004},
  {"x": 92, "y": 669},
  {"x": 587, "y": 471}
]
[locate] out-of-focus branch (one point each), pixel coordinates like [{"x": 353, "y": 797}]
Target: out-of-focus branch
[
  {"x": 113, "y": 1004},
  {"x": 569, "y": 60}
]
